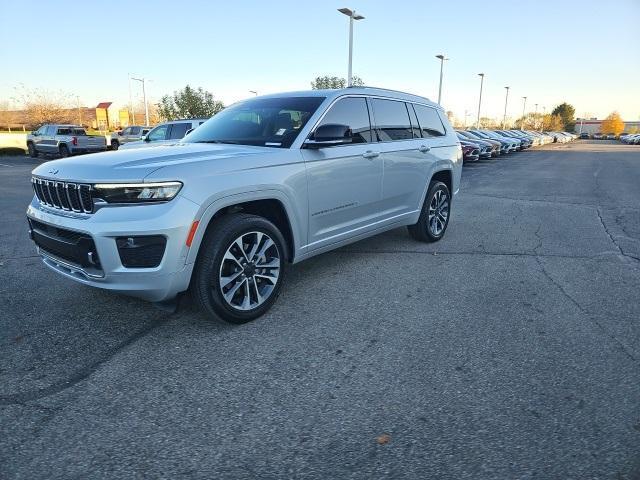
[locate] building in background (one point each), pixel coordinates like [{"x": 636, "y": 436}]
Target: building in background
[{"x": 593, "y": 125}]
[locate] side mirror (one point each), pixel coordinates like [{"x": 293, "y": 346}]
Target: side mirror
[
  {"x": 329, "y": 135},
  {"x": 146, "y": 138}
]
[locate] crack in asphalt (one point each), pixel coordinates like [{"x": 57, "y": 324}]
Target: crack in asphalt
[
  {"x": 583, "y": 310},
  {"x": 30, "y": 395},
  {"x": 611, "y": 237}
]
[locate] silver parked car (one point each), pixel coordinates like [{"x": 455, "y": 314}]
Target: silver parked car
[
  {"x": 63, "y": 140},
  {"x": 268, "y": 181},
  {"x": 132, "y": 133},
  {"x": 166, "y": 133}
]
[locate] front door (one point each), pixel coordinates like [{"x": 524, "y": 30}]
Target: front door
[{"x": 344, "y": 181}]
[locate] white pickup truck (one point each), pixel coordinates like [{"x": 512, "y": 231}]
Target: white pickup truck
[{"x": 63, "y": 140}]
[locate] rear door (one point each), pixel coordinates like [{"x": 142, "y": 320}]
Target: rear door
[
  {"x": 344, "y": 181},
  {"x": 406, "y": 156}
]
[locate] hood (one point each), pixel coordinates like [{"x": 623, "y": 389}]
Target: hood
[{"x": 134, "y": 165}]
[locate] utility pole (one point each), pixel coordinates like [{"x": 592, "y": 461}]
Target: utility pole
[
  {"x": 131, "y": 109},
  {"x": 442, "y": 60},
  {"x": 481, "y": 75},
  {"x": 524, "y": 105},
  {"x": 79, "y": 111},
  {"x": 504, "y": 117},
  {"x": 352, "y": 16},
  {"x": 144, "y": 99}
]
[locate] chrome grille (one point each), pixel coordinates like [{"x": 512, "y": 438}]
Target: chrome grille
[{"x": 69, "y": 196}]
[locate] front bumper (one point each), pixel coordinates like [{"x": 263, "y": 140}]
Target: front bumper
[{"x": 171, "y": 220}]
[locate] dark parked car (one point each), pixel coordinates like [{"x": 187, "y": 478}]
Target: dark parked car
[
  {"x": 584, "y": 135},
  {"x": 470, "y": 151}
]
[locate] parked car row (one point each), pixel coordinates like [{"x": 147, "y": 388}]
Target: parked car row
[
  {"x": 630, "y": 138},
  {"x": 477, "y": 144}
]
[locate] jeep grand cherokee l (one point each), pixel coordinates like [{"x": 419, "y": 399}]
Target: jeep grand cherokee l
[{"x": 268, "y": 181}]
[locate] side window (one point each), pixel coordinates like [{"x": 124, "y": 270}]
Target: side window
[
  {"x": 51, "y": 130},
  {"x": 64, "y": 131},
  {"x": 158, "y": 133},
  {"x": 430, "y": 122},
  {"x": 134, "y": 130},
  {"x": 125, "y": 131},
  {"x": 392, "y": 120},
  {"x": 41, "y": 130},
  {"x": 351, "y": 111},
  {"x": 415, "y": 126},
  {"x": 178, "y": 130}
]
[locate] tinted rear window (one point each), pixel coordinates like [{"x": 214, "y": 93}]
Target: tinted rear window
[
  {"x": 179, "y": 130},
  {"x": 430, "y": 122},
  {"x": 392, "y": 120}
]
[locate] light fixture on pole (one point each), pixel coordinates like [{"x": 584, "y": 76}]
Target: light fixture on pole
[
  {"x": 524, "y": 105},
  {"x": 442, "y": 60},
  {"x": 352, "y": 16},
  {"x": 481, "y": 75},
  {"x": 504, "y": 117},
  {"x": 255, "y": 93},
  {"x": 144, "y": 99}
]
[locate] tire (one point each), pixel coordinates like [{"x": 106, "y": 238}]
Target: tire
[
  {"x": 437, "y": 203},
  {"x": 64, "y": 151},
  {"x": 228, "y": 301},
  {"x": 115, "y": 144},
  {"x": 31, "y": 148}
]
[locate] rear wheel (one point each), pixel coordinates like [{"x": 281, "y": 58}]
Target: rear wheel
[
  {"x": 240, "y": 268},
  {"x": 435, "y": 214},
  {"x": 115, "y": 144},
  {"x": 33, "y": 153},
  {"x": 64, "y": 151}
]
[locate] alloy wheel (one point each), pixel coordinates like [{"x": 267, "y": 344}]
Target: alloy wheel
[
  {"x": 249, "y": 271},
  {"x": 438, "y": 212}
]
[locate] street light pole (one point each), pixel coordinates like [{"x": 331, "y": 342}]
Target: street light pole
[
  {"x": 133, "y": 113},
  {"x": 524, "y": 105},
  {"x": 352, "y": 16},
  {"x": 442, "y": 60},
  {"x": 144, "y": 99},
  {"x": 536, "y": 118},
  {"x": 504, "y": 117},
  {"x": 481, "y": 75}
]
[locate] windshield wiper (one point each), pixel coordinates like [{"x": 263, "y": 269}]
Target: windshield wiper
[{"x": 231, "y": 142}]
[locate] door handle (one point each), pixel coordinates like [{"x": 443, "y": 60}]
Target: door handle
[
  {"x": 424, "y": 148},
  {"x": 370, "y": 154}
]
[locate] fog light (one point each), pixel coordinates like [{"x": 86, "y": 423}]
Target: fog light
[{"x": 141, "y": 251}]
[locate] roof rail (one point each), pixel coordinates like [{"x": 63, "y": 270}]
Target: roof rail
[{"x": 388, "y": 90}]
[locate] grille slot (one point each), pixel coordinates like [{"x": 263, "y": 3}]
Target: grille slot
[{"x": 69, "y": 196}]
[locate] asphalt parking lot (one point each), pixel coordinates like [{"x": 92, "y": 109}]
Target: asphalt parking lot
[{"x": 509, "y": 350}]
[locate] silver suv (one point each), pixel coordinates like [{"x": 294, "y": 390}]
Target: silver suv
[
  {"x": 166, "y": 133},
  {"x": 268, "y": 181}
]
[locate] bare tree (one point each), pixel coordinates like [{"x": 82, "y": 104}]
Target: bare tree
[{"x": 43, "y": 106}]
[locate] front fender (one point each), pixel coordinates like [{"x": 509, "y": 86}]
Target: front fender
[{"x": 298, "y": 229}]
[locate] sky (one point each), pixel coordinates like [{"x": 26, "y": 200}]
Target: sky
[{"x": 583, "y": 52}]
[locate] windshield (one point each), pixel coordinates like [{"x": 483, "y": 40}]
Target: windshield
[{"x": 268, "y": 122}]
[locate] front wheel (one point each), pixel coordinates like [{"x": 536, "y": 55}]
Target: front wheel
[
  {"x": 33, "y": 153},
  {"x": 240, "y": 268},
  {"x": 435, "y": 214},
  {"x": 115, "y": 144}
]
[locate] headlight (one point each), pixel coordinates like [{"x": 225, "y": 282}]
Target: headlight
[{"x": 136, "y": 192}]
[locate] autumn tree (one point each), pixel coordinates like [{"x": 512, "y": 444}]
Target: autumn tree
[
  {"x": 328, "y": 82},
  {"x": 552, "y": 123},
  {"x": 567, "y": 113},
  {"x": 189, "y": 103},
  {"x": 612, "y": 124}
]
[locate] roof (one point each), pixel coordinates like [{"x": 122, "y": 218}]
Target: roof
[
  {"x": 334, "y": 93},
  {"x": 104, "y": 104}
]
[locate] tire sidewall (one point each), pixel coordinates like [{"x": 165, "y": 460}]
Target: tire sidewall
[
  {"x": 208, "y": 270},
  {"x": 32, "y": 150},
  {"x": 64, "y": 151},
  {"x": 115, "y": 145}
]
